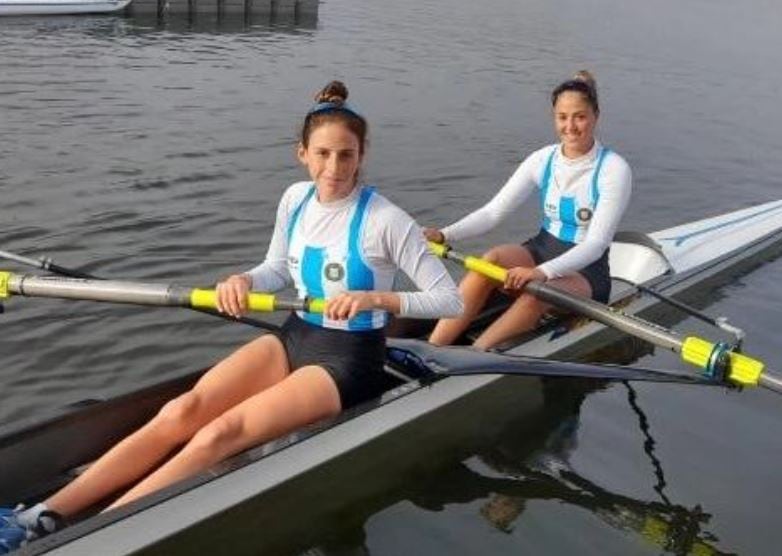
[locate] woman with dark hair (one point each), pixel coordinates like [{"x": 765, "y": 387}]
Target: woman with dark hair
[
  {"x": 584, "y": 190},
  {"x": 334, "y": 238}
]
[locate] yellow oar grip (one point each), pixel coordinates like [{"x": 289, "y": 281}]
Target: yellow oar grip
[
  {"x": 742, "y": 369},
  {"x": 486, "y": 268},
  {"x": 261, "y": 302},
  {"x": 203, "y": 299},
  {"x": 439, "y": 249},
  {"x": 316, "y": 305},
  {"x": 697, "y": 351},
  {"x": 745, "y": 370},
  {"x": 4, "y": 278},
  {"x": 656, "y": 531},
  {"x": 207, "y": 299}
]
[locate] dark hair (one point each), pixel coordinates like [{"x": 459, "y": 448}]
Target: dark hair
[
  {"x": 331, "y": 107},
  {"x": 582, "y": 82}
]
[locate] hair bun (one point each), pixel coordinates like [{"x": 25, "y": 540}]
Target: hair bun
[
  {"x": 586, "y": 77},
  {"x": 335, "y": 92}
]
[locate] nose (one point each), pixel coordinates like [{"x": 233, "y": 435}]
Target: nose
[{"x": 332, "y": 164}]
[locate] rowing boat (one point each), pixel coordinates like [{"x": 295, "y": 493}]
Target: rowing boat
[
  {"x": 60, "y": 7},
  {"x": 41, "y": 455}
]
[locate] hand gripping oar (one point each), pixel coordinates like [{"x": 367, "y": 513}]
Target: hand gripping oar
[
  {"x": 140, "y": 293},
  {"x": 48, "y": 264},
  {"x": 717, "y": 361}
]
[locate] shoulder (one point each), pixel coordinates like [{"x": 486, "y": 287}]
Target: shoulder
[
  {"x": 294, "y": 194},
  {"x": 388, "y": 223},
  {"x": 617, "y": 166},
  {"x": 387, "y": 212},
  {"x": 541, "y": 156},
  {"x": 298, "y": 190}
]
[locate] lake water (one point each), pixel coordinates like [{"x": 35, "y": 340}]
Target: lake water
[{"x": 157, "y": 150}]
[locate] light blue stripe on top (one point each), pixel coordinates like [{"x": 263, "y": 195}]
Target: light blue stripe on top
[
  {"x": 312, "y": 276},
  {"x": 297, "y": 212},
  {"x": 545, "y": 179},
  {"x": 359, "y": 276},
  {"x": 595, "y": 191},
  {"x": 567, "y": 215}
]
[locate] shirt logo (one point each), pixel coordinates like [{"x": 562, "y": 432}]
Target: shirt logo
[
  {"x": 334, "y": 272},
  {"x": 584, "y": 214}
]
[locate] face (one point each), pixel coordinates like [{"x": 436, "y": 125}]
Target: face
[
  {"x": 575, "y": 120},
  {"x": 333, "y": 159}
]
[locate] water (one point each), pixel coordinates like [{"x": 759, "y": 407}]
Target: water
[{"x": 157, "y": 150}]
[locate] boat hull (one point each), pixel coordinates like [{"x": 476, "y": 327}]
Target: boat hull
[{"x": 55, "y": 7}]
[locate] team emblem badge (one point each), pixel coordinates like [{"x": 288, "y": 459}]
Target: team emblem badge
[
  {"x": 584, "y": 214},
  {"x": 334, "y": 272}
]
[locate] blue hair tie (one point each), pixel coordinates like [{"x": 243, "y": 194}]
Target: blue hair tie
[{"x": 323, "y": 107}]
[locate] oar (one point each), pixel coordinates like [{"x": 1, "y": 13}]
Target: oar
[
  {"x": 49, "y": 265},
  {"x": 425, "y": 361},
  {"x": 45, "y": 264},
  {"x": 716, "y": 360},
  {"x": 140, "y": 293}
]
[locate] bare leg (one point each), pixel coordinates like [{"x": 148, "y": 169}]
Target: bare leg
[
  {"x": 526, "y": 311},
  {"x": 476, "y": 288},
  {"x": 305, "y": 396},
  {"x": 255, "y": 366}
]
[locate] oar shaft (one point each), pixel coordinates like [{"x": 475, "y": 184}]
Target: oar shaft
[
  {"x": 27, "y": 261},
  {"x": 115, "y": 291},
  {"x": 601, "y": 313},
  {"x": 772, "y": 382},
  {"x": 140, "y": 293}
]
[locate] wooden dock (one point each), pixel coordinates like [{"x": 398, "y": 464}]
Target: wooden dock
[{"x": 270, "y": 8}]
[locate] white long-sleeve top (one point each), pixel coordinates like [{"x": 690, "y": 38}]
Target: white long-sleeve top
[
  {"x": 390, "y": 241},
  {"x": 569, "y": 177}
]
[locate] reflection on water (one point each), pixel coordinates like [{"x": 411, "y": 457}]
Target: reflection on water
[
  {"x": 146, "y": 18},
  {"x": 188, "y": 19}
]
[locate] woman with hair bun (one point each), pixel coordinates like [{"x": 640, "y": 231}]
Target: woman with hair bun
[
  {"x": 584, "y": 190},
  {"x": 334, "y": 238}
]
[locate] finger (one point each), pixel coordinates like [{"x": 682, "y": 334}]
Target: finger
[
  {"x": 237, "y": 301},
  {"x": 219, "y": 298},
  {"x": 333, "y": 308},
  {"x": 241, "y": 297}
]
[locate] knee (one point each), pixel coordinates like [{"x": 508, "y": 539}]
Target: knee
[
  {"x": 530, "y": 303},
  {"x": 217, "y": 438},
  {"x": 492, "y": 255},
  {"x": 173, "y": 419}
]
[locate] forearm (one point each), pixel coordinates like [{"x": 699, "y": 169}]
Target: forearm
[{"x": 438, "y": 303}]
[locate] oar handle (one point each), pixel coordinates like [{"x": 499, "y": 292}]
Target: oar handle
[{"x": 258, "y": 302}]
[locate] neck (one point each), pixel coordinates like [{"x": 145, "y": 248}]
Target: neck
[
  {"x": 327, "y": 195},
  {"x": 577, "y": 152}
]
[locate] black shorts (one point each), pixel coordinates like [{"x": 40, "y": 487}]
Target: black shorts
[
  {"x": 545, "y": 247},
  {"x": 353, "y": 359}
]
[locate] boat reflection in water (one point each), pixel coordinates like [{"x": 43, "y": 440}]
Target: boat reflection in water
[{"x": 224, "y": 16}]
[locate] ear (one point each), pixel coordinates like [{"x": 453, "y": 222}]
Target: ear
[{"x": 301, "y": 153}]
